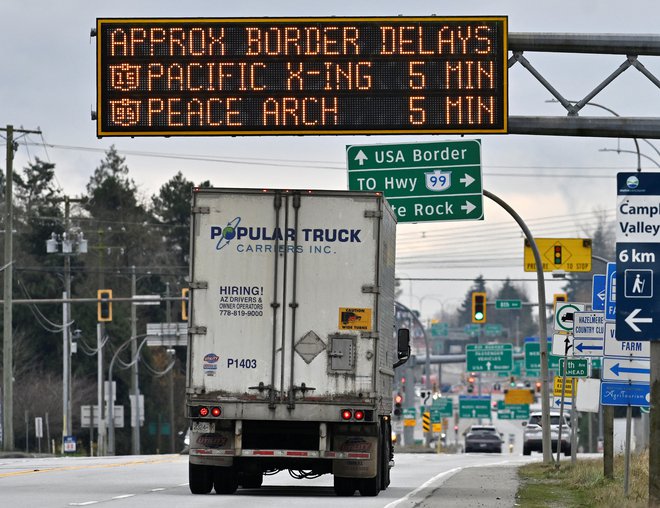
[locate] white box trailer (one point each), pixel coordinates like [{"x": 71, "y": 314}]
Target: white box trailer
[{"x": 291, "y": 345}]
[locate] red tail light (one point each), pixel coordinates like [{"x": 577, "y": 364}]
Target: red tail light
[
  {"x": 359, "y": 415},
  {"x": 215, "y": 412},
  {"x": 203, "y": 411},
  {"x": 346, "y": 414}
]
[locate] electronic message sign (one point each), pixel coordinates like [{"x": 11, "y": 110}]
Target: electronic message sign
[{"x": 265, "y": 76}]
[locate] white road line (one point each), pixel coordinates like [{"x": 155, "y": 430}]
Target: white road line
[
  {"x": 437, "y": 477},
  {"x": 157, "y": 490},
  {"x": 83, "y": 504},
  {"x": 124, "y": 496}
]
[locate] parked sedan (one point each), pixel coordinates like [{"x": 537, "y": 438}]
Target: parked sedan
[{"x": 483, "y": 439}]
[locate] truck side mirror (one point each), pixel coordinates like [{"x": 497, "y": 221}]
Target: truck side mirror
[{"x": 403, "y": 346}]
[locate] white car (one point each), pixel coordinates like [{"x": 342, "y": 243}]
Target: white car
[{"x": 533, "y": 435}]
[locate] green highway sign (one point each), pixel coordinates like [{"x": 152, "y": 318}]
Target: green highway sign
[
  {"x": 436, "y": 415},
  {"x": 445, "y": 405},
  {"x": 575, "y": 367},
  {"x": 532, "y": 373},
  {"x": 508, "y": 304},
  {"x": 596, "y": 363},
  {"x": 437, "y": 181},
  {"x": 472, "y": 329},
  {"x": 489, "y": 357},
  {"x": 440, "y": 329},
  {"x": 409, "y": 413},
  {"x": 533, "y": 357},
  {"x": 474, "y": 406},
  {"x": 492, "y": 329},
  {"x": 512, "y": 411}
]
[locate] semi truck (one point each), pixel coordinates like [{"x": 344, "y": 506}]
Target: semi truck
[{"x": 291, "y": 338}]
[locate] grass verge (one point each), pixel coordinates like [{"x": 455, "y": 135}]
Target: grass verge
[{"x": 583, "y": 484}]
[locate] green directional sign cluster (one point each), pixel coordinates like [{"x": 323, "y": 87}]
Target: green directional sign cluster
[
  {"x": 512, "y": 411},
  {"x": 423, "y": 182},
  {"x": 489, "y": 357},
  {"x": 409, "y": 413},
  {"x": 492, "y": 329},
  {"x": 444, "y": 405},
  {"x": 439, "y": 329},
  {"x": 474, "y": 407},
  {"x": 533, "y": 358}
]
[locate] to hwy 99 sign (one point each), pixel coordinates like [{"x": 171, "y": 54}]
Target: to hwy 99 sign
[{"x": 263, "y": 76}]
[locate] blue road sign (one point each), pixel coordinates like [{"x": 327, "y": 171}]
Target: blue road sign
[
  {"x": 637, "y": 255},
  {"x": 624, "y": 394},
  {"x": 588, "y": 347},
  {"x": 610, "y": 292},
  {"x": 598, "y": 292}
]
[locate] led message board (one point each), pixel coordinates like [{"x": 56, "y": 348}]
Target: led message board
[{"x": 264, "y": 76}]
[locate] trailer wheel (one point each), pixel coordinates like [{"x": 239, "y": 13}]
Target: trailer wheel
[
  {"x": 225, "y": 480},
  {"x": 344, "y": 486},
  {"x": 200, "y": 479},
  {"x": 385, "y": 457},
  {"x": 371, "y": 486}
]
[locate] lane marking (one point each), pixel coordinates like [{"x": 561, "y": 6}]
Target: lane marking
[
  {"x": 90, "y": 466},
  {"x": 157, "y": 490},
  {"x": 86, "y": 503},
  {"x": 123, "y": 496}
]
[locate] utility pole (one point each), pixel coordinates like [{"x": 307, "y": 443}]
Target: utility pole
[
  {"x": 135, "y": 389},
  {"x": 7, "y": 344},
  {"x": 172, "y": 354}
]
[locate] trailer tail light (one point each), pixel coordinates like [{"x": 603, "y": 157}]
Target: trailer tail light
[
  {"x": 359, "y": 415},
  {"x": 346, "y": 414},
  {"x": 216, "y": 412},
  {"x": 203, "y": 411}
]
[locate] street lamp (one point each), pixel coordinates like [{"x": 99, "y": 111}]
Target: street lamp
[{"x": 68, "y": 243}]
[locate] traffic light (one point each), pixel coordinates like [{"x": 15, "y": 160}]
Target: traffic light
[
  {"x": 398, "y": 399},
  {"x": 470, "y": 387},
  {"x": 478, "y": 307},
  {"x": 104, "y": 305},
  {"x": 538, "y": 387},
  {"x": 184, "y": 304},
  {"x": 558, "y": 297}
]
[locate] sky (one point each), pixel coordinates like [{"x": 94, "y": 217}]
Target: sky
[{"x": 559, "y": 185}]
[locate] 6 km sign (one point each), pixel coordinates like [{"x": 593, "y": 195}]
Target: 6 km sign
[{"x": 422, "y": 181}]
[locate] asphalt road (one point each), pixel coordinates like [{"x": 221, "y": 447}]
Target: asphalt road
[{"x": 146, "y": 481}]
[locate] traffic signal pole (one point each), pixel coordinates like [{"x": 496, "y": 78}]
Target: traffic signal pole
[{"x": 543, "y": 328}]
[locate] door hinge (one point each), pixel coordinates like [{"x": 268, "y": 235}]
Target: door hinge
[
  {"x": 370, "y": 288},
  {"x": 201, "y": 209},
  {"x": 197, "y": 330},
  {"x": 200, "y": 284},
  {"x": 373, "y": 214}
]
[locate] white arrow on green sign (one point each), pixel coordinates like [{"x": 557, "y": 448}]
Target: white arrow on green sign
[
  {"x": 423, "y": 182},
  {"x": 512, "y": 411},
  {"x": 489, "y": 357},
  {"x": 445, "y": 405},
  {"x": 474, "y": 407}
]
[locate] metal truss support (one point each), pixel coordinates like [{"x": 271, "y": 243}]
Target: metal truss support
[{"x": 631, "y": 46}]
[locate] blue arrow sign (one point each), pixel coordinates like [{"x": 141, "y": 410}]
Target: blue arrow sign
[
  {"x": 624, "y": 394},
  {"x": 567, "y": 402},
  {"x": 583, "y": 348},
  {"x": 617, "y": 368},
  {"x": 598, "y": 293}
]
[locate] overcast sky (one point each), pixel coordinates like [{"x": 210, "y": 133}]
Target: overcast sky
[{"x": 556, "y": 183}]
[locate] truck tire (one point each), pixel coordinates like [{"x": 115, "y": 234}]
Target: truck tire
[
  {"x": 200, "y": 479},
  {"x": 225, "y": 480},
  {"x": 385, "y": 457},
  {"x": 344, "y": 486},
  {"x": 567, "y": 450},
  {"x": 526, "y": 450},
  {"x": 371, "y": 486}
]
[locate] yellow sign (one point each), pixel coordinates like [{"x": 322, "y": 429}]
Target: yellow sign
[
  {"x": 519, "y": 396},
  {"x": 570, "y": 386},
  {"x": 567, "y": 254},
  {"x": 351, "y": 318},
  {"x": 437, "y": 427},
  {"x": 410, "y": 422}
]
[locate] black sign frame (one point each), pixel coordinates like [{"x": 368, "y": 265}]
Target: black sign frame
[{"x": 429, "y": 75}]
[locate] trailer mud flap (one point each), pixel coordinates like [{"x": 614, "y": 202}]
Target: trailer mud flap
[{"x": 356, "y": 468}]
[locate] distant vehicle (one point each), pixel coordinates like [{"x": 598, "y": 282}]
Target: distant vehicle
[
  {"x": 483, "y": 438},
  {"x": 533, "y": 435}
]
